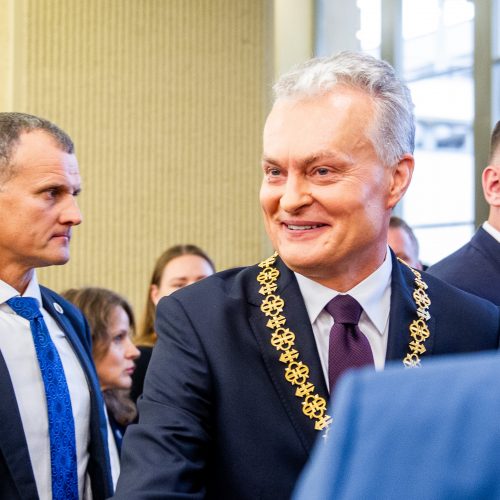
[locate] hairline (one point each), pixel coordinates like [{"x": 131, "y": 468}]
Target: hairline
[
  {"x": 375, "y": 78},
  {"x": 13, "y": 126},
  {"x": 372, "y": 133}
]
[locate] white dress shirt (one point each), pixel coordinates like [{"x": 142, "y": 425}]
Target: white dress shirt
[
  {"x": 491, "y": 230},
  {"x": 374, "y": 296},
  {"x": 114, "y": 456},
  {"x": 18, "y": 350}
]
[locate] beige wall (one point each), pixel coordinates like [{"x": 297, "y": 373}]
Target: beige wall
[{"x": 165, "y": 100}]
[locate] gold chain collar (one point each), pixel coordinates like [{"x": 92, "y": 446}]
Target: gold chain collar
[{"x": 283, "y": 339}]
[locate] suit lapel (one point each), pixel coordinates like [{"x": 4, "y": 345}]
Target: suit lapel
[
  {"x": 13, "y": 444},
  {"x": 297, "y": 321},
  {"x": 57, "y": 312},
  {"x": 99, "y": 468},
  {"x": 403, "y": 312}
]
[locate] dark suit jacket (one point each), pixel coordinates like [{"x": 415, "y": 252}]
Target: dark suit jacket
[
  {"x": 141, "y": 366},
  {"x": 428, "y": 434},
  {"x": 474, "y": 268},
  {"x": 217, "y": 417},
  {"x": 16, "y": 474}
]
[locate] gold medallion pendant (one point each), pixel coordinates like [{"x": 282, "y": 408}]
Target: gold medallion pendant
[{"x": 283, "y": 339}]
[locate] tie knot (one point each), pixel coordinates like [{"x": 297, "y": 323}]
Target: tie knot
[
  {"x": 344, "y": 309},
  {"x": 26, "y": 307}
]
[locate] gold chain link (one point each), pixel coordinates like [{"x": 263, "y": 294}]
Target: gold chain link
[{"x": 283, "y": 339}]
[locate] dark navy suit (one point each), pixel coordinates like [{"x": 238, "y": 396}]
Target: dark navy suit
[
  {"x": 218, "y": 419},
  {"x": 430, "y": 434},
  {"x": 474, "y": 268},
  {"x": 16, "y": 474}
]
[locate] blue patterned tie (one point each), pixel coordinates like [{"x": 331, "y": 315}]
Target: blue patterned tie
[{"x": 60, "y": 414}]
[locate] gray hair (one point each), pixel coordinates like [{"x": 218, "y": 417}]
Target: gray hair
[
  {"x": 13, "y": 125},
  {"x": 394, "y": 129}
]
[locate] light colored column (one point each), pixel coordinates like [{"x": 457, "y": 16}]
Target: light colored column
[{"x": 483, "y": 31}]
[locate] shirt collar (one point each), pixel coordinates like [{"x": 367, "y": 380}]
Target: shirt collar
[
  {"x": 32, "y": 290},
  {"x": 492, "y": 231},
  {"x": 369, "y": 293}
]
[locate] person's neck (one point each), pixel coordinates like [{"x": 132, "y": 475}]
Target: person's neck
[
  {"x": 16, "y": 278},
  {"x": 351, "y": 273},
  {"x": 494, "y": 217}
]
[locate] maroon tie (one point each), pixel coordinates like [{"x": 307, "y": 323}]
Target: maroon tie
[{"x": 348, "y": 347}]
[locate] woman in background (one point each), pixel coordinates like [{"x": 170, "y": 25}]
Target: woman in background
[
  {"x": 177, "y": 267},
  {"x": 112, "y": 324}
]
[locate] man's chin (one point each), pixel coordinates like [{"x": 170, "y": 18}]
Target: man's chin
[
  {"x": 301, "y": 262},
  {"x": 53, "y": 260}
]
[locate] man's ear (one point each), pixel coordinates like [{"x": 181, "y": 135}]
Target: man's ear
[
  {"x": 491, "y": 185},
  {"x": 400, "y": 180}
]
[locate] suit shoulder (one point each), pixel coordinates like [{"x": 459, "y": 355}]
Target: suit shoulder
[
  {"x": 459, "y": 301},
  {"x": 230, "y": 282},
  {"x": 50, "y": 295},
  {"x": 56, "y": 304},
  {"x": 216, "y": 298},
  {"x": 453, "y": 263}
]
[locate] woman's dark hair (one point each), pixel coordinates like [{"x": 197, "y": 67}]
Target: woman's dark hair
[{"x": 97, "y": 305}]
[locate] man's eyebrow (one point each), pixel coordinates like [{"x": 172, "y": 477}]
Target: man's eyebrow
[
  {"x": 320, "y": 155},
  {"x": 268, "y": 159}
]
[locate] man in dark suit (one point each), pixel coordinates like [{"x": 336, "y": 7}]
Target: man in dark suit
[
  {"x": 236, "y": 391},
  {"x": 412, "y": 434},
  {"x": 53, "y": 439},
  {"x": 475, "y": 267}
]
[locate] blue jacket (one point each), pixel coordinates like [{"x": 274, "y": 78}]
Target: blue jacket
[
  {"x": 17, "y": 481},
  {"x": 430, "y": 434}
]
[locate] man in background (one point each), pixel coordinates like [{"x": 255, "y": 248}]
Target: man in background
[
  {"x": 237, "y": 388},
  {"x": 53, "y": 428},
  {"x": 475, "y": 267},
  {"x": 403, "y": 242}
]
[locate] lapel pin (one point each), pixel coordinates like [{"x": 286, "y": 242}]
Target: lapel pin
[{"x": 58, "y": 308}]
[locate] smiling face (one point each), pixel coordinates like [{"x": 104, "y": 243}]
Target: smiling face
[
  {"x": 38, "y": 206},
  {"x": 180, "y": 272},
  {"x": 325, "y": 195},
  {"x": 116, "y": 366}
]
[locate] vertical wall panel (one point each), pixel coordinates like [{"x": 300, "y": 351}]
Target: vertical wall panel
[{"x": 165, "y": 100}]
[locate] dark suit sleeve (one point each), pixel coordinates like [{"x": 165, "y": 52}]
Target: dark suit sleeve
[
  {"x": 141, "y": 366},
  {"x": 165, "y": 454}
]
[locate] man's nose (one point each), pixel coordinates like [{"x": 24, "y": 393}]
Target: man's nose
[
  {"x": 296, "y": 195},
  {"x": 72, "y": 214}
]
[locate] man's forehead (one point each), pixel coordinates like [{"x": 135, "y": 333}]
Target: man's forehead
[
  {"x": 325, "y": 106},
  {"x": 38, "y": 145},
  {"x": 40, "y": 158},
  {"x": 334, "y": 125}
]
